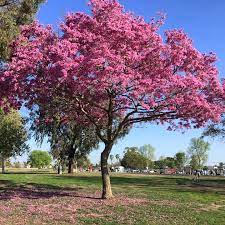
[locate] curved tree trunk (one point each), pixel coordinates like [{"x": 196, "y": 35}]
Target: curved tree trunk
[
  {"x": 3, "y": 165},
  {"x": 106, "y": 189}
]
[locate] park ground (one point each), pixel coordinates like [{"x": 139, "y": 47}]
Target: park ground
[{"x": 43, "y": 198}]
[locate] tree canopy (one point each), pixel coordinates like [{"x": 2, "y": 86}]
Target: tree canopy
[
  {"x": 148, "y": 152},
  {"x": 133, "y": 159},
  {"x": 69, "y": 140},
  {"x": 13, "y": 135},
  {"x": 39, "y": 159},
  {"x": 14, "y": 13},
  {"x": 180, "y": 160},
  {"x": 198, "y": 153}
]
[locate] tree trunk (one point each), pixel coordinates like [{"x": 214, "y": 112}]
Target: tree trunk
[
  {"x": 3, "y": 165},
  {"x": 106, "y": 189},
  {"x": 59, "y": 169},
  {"x": 76, "y": 169},
  {"x": 70, "y": 166},
  {"x": 71, "y": 156}
]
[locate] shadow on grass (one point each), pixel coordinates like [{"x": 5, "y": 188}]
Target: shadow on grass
[
  {"x": 30, "y": 172},
  {"x": 129, "y": 181},
  {"x": 166, "y": 183},
  {"x": 9, "y": 191}
]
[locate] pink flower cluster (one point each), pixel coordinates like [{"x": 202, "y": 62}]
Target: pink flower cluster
[{"x": 112, "y": 64}]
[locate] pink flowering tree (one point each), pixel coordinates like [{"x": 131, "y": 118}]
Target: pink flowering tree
[{"x": 113, "y": 70}]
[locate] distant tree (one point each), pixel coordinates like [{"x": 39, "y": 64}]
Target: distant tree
[
  {"x": 13, "y": 136},
  {"x": 25, "y": 164},
  {"x": 180, "y": 160},
  {"x": 205, "y": 167},
  {"x": 69, "y": 140},
  {"x": 221, "y": 165},
  {"x": 111, "y": 158},
  {"x": 74, "y": 141},
  {"x": 164, "y": 162},
  {"x": 149, "y": 153},
  {"x": 118, "y": 158},
  {"x": 194, "y": 162},
  {"x": 170, "y": 162},
  {"x": 160, "y": 163},
  {"x": 39, "y": 159},
  {"x": 83, "y": 162},
  {"x": 133, "y": 159},
  {"x": 8, "y": 163},
  {"x": 17, "y": 165},
  {"x": 198, "y": 153}
]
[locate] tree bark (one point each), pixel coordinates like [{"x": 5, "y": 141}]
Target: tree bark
[
  {"x": 106, "y": 185},
  {"x": 70, "y": 166},
  {"x": 3, "y": 165},
  {"x": 59, "y": 169},
  {"x": 76, "y": 169},
  {"x": 71, "y": 156}
]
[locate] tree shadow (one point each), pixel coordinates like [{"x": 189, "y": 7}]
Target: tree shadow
[
  {"x": 163, "y": 183},
  {"x": 9, "y": 191},
  {"x": 130, "y": 181},
  {"x": 30, "y": 172}
]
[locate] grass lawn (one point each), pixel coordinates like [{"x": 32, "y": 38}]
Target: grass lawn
[{"x": 139, "y": 199}]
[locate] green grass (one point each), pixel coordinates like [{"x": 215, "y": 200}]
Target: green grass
[{"x": 139, "y": 199}]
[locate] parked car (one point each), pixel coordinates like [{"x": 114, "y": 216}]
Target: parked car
[{"x": 152, "y": 171}]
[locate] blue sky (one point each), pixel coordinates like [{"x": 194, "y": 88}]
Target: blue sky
[{"x": 204, "y": 21}]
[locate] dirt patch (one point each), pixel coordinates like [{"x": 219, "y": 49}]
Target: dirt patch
[{"x": 212, "y": 207}]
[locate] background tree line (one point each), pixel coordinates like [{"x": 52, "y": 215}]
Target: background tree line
[{"x": 143, "y": 158}]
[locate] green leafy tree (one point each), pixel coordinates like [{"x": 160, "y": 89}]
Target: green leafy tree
[
  {"x": 194, "y": 162},
  {"x": 83, "y": 161},
  {"x": 17, "y": 165},
  {"x": 133, "y": 159},
  {"x": 14, "y": 13},
  {"x": 13, "y": 136},
  {"x": 170, "y": 162},
  {"x": 149, "y": 153},
  {"x": 160, "y": 163},
  {"x": 180, "y": 160},
  {"x": 198, "y": 153},
  {"x": 7, "y": 163},
  {"x": 39, "y": 159},
  {"x": 221, "y": 167},
  {"x": 69, "y": 140},
  {"x": 164, "y": 162},
  {"x": 74, "y": 142}
]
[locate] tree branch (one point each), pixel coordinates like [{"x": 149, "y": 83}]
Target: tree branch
[{"x": 92, "y": 121}]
